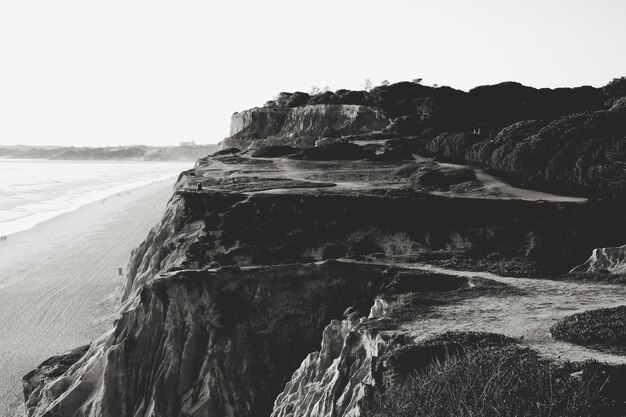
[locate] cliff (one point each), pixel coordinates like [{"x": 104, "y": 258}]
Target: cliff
[
  {"x": 304, "y": 280},
  {"x": 229, "y": 295},
  {"x": 300, "y": 125},
  {"x": 564, "y": 140},
  {"x": 202, "y": 342},
  {"x": 605, "y": 260}
]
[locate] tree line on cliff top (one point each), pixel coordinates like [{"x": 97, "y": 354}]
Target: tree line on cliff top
[
  {"x": 419, "y": 108},
  {"x": 565, "y": 140}
]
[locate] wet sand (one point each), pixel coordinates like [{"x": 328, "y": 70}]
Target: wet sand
[{"x": 59, "y": 281}]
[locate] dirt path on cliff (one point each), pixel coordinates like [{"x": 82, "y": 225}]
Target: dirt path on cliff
[
  {"x": 362, "y": 175},
  {"x": 527, "y": 314},
  {"x": 58, "y": 281}
]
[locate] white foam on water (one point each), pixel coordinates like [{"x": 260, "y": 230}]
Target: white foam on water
[{"x": 32, "y": 192}]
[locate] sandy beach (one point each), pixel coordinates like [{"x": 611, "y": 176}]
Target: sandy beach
[{"x": 59, "y": 281}]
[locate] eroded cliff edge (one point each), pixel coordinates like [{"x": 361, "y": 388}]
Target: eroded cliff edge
[
  {"x": 291, "y": 285},
  {"x": 236, "y": 286},
  {"x": 301, "y": 126}
]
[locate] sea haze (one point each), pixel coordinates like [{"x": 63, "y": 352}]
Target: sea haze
[{"x": 32, "y": 191}]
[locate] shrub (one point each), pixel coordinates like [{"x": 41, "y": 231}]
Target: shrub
[
  {"x": 605, "y": 326},
  {"x": 494, "y": 381}
]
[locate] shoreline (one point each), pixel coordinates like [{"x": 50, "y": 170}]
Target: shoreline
[
  {"x": 60, "y": 281},
  {"x": 74, "y": 202}
]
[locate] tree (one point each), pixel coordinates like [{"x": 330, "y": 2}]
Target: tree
[
  {"x": 384, "y": 83},
  {"x": 616, "y": 88},
  {"x": 325, "y": 89},
  {"x": 367, "y": 84},
  {"x": 417, "y": 80},
  {"x": 315, "y": 90}
]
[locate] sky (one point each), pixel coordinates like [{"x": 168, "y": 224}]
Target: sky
[{"x": 104, "y": 73}]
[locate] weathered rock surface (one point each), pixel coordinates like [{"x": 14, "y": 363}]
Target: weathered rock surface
[
  {"x": 203, "y": 342},
  {"x": 46, "y": 375},
  {"x": 280, "y": 126},
  {"x": 260, "y": 255},
  {"x": 332, "y": 381},
  {"x": 260, "y": 121},
  {"x": 605, "y": 260}
]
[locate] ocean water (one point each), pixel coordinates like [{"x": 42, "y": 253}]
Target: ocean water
[{"x": 32, "y": 191}]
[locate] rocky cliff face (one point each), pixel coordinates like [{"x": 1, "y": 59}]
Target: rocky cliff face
[
  {"x": 207, "y": 342},
  {"x": 261, "y": 121},
  {"x": 258, "y": 259},
  {"x": 334, "y": 380},
  {"x": 275, "y": 126},
  {"x": 605, "y": 260}
]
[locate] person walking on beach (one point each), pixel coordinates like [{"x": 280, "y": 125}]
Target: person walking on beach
[{"x": 199, "y": 188}]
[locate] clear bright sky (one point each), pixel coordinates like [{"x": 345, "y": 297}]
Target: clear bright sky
[{"x": 93, "y": 73}]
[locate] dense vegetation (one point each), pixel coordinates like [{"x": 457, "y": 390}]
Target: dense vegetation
[
  {"x": 603, "y": 327},
  {"x": 583, "y": 153},
  {"x": 489, "y": 108},
  {"x": 567, "y": 140},
  {"x": 484, "y": 375}
]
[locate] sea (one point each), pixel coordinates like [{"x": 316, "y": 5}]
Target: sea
[{"x": 35, "y": 190}]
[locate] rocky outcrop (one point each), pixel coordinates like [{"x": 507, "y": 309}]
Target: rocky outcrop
[
  {"x": 605, "y": 260},
  {"x": 231, "y": 224},
  {"x": 261, "y": 122},
  {"x": 334, "y": 380},
  {"x": 45, "y": 378},
  {"x": 282, "y": 126},
  {"x": 254, "y": 257},
  {"x": 205, "y": 343}
]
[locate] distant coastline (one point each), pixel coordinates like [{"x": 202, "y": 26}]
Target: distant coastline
[{"x": 185, "y": 152}]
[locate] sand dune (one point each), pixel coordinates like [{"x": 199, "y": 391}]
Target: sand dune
[{"x": 59, "y": 281}]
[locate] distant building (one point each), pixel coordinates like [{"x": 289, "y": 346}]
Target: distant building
[{"x": 191, "y": 143}]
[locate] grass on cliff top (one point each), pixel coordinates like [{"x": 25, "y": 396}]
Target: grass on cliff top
[
  {"x": 498, "y": 381},
  {"x": 604, "y": 327}
]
